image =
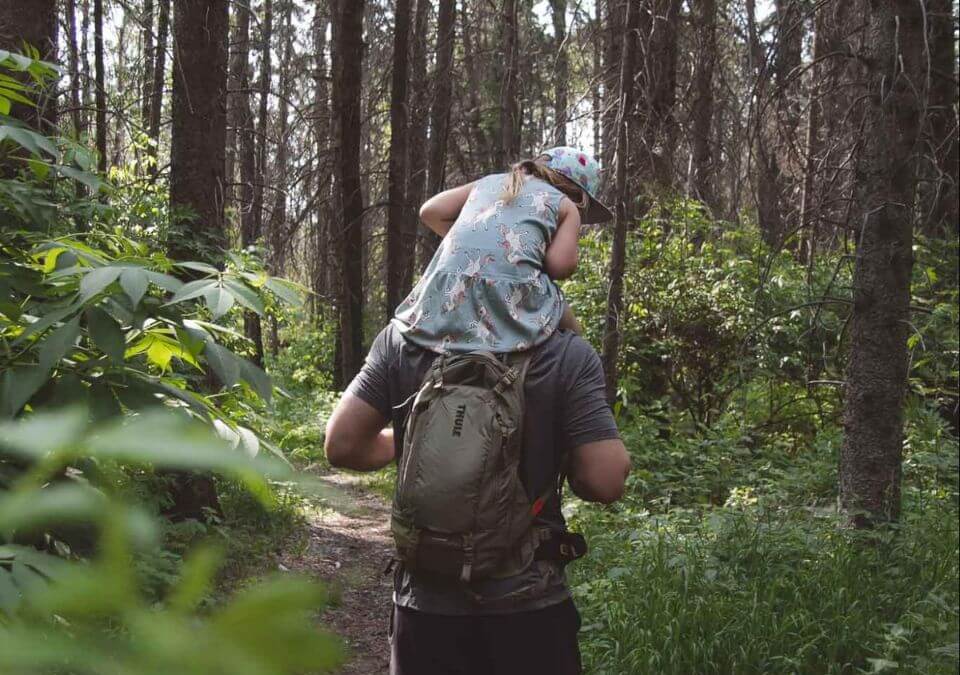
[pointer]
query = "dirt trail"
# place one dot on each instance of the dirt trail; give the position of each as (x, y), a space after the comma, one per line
(348, 548)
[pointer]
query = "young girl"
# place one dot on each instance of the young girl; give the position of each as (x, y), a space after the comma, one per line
(506, 238)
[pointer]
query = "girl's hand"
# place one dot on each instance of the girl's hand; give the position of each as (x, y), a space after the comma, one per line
(563, 253)
(440, 212)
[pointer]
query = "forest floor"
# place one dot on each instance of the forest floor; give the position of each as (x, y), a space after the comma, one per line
(348, 547)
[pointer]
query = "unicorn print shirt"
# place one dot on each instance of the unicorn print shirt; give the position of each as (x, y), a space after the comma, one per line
(486, 288)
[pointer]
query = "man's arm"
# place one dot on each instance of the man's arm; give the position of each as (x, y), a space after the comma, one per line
(356, 438)
(598, 470)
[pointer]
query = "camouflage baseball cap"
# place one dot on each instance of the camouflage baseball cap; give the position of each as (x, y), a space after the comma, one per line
(583, 170)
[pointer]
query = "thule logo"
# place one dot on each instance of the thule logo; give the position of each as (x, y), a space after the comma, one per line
(458, 420)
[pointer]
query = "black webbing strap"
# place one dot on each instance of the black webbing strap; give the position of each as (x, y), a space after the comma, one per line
(563, 547)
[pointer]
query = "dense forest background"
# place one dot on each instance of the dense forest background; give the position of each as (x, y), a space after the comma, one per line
(209, 209)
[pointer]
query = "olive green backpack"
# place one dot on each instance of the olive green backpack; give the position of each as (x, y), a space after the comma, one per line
(459, 508)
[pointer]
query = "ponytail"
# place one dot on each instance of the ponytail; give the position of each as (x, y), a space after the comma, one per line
(515, 181)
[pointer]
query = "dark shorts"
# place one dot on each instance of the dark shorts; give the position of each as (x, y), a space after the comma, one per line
(541, 642)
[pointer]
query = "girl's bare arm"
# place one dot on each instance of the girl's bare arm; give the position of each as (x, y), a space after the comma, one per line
(563, 252)
(441, 210)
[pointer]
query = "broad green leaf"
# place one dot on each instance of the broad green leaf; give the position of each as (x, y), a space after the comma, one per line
(106, 333)
(286, 290)
(199, 267)
(34, 143)
(165, 281)
(218, 300)
(258, 380)
(57, 503)
(224, 362)
(56, 345)
(19, 386)
(43, 432)
(90, 180)
(47, 319)
(245, 296)
(103, 404)
(133, 281)
(193, 289)
(96, 280)
(9, 593)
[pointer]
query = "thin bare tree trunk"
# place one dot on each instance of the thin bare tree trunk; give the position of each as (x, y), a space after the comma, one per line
(943, 218)
(613, 30)
(146, 30)
(400, 235)
(562, 73)
(888, 72)
(263, 117)
(33, 22)
(510, 121)
(348, 78)
(100, 86)
(701, 159)
(419, 119)
(73, 56)
(808, 222)
(159, 77)
(611, 329)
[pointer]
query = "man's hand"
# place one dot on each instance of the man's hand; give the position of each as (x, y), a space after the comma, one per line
(356, 438)
(598, 470)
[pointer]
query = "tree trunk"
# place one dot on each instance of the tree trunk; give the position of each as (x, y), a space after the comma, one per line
(349, 76)
(33, 22)
(419, 119)
(942, 218)
(100, 86)
(510, 122)
(889, 70)
(562, 73)
(276, 231)
(613, 36)
(400, 235)
(85, 61)
(248, 160)
(701, 155)
(199, 131)
(73, 56)
(263, 118)
(159, 77)
(198, 145)
(808, 221)
(321, 239)
(146, 31)
(611, 329)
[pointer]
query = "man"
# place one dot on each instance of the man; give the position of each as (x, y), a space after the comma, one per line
(525, 624)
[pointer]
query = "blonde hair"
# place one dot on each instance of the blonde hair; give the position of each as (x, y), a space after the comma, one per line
(530, 167)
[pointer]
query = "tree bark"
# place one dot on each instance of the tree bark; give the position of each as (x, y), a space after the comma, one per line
(419, 120)
(73, 56)
(199, 131)
(350, 49)
(888, 71)
(33, 22)
(159, 77)
(85, 62)
(613, 33)
(701, 150)
(562, 72)
(611, 329)
(808, 222)
(401, 236)
(146, 31)
(198, 145)
(942, 217)
(263, 120)
(510, 122)
(320, 273)
(100, 91)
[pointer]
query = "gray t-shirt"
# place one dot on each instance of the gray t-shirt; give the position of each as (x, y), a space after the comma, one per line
(566, 407)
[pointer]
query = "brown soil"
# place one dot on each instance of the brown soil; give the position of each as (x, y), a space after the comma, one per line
(349, 546)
